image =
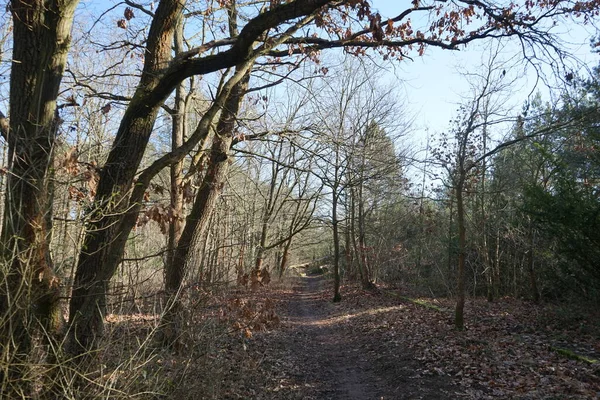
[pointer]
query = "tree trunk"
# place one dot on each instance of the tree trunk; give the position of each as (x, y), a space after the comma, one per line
(267, 214)
(113, 218)
(348, 250)
(460, 216)
(535, 293)
(367, 276)
(351, 240)
(176, 169)
(197, 221)
(337, 297)
(284, 257)
(29, 297)
(450, 237)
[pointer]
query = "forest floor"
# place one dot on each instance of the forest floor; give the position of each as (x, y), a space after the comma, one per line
(292, 342)
(335, 351)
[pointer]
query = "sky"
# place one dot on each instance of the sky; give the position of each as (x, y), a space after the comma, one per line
(434, 85)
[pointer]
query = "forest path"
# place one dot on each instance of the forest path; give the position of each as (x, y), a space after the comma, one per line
(323, 352)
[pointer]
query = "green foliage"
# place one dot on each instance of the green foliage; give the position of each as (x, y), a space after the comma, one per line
(565, 204)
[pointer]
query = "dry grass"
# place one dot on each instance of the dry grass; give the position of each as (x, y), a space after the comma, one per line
(211, 363)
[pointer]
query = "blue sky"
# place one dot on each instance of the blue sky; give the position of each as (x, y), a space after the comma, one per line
(433, 85)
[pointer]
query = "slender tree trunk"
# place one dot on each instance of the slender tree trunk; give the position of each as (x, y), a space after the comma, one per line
(197, 221)
(460, 216)
(176, 169)
(487, 261)
(337, 297)
(277, 182)
(351, 237)
(264, 228)
(336, 190)
(497, 260)
(491, 289)
(348, 248)
(535, 294)
(367, 277)
(284, 257)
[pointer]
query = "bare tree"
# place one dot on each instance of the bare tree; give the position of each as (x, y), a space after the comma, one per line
(349, 109)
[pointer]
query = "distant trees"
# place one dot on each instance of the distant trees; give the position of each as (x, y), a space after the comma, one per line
(352, 113)
(290, 197)
(526, 164)
(465, 159)
(563, 204)
(544, 206)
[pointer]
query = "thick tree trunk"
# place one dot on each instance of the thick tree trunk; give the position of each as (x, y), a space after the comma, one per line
(107, 231)
(29, 293)
(114, 214)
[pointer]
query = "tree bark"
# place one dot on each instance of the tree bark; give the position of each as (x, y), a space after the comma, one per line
(29, 298)
(176, 169)
(197, 221)
(337, 297)
(459, 322)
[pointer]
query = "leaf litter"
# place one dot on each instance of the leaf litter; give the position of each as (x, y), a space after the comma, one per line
(292, 342)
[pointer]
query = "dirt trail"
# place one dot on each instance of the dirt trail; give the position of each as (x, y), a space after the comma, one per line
(322, 354)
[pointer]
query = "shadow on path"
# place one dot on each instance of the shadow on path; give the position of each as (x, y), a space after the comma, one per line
(328, 357)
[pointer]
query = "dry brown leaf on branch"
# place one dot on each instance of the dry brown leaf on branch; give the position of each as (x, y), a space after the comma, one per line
(128, 14)
(70, 161)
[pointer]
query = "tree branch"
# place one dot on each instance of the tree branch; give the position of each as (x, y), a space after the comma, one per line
(4, 126)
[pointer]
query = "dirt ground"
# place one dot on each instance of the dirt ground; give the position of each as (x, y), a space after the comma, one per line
(289, 341)
(321, 352)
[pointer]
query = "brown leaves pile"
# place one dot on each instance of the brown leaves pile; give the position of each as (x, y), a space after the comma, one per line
(508, 351)
(247, 316)
(256, 277)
